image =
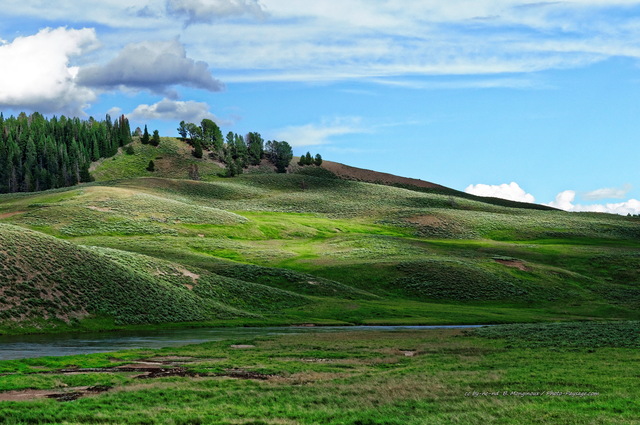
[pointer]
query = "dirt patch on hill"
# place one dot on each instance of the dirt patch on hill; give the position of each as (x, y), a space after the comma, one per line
(426, 220)
(101, 209)
(361, 174)
(68, 394)
(517, 264)
(187, 273)
(11, 214)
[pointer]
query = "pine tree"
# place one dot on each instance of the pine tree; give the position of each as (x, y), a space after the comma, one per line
(182, 130)
(145, 136)
(155, 140)
(151, 167)
(280, 154)
(197, 148)
(255, 148)
(318, 160)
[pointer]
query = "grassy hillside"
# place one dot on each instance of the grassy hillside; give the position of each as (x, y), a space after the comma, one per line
(301, 247)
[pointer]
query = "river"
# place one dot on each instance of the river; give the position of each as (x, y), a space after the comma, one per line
(30, 346)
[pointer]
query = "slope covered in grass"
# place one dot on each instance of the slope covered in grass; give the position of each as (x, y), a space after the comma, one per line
(47, 283)
(308, 246)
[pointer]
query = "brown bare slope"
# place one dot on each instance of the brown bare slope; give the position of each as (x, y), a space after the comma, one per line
(360, 174)
(348, 172)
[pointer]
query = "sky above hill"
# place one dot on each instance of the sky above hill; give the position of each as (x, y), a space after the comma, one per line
(536, 101)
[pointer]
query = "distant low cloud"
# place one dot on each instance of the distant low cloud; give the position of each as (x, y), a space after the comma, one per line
(511, 191)
(154, 66)
(564, 201)
(35, 72)
(172, 110)
(207, 11)
(607, 193)
(320, 134)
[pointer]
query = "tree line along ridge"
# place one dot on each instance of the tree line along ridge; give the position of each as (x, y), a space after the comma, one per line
(238, 152)
(39, 153)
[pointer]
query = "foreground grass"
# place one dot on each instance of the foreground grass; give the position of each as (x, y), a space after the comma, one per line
(401, 377)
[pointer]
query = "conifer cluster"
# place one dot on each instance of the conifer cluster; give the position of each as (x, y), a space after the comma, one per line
(37, 153)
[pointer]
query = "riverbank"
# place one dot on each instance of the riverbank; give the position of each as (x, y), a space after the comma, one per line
(509, 375)
(32, 346)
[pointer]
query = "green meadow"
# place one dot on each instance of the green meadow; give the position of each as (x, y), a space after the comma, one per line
(568, 373)
(136, 249)
(301, 247)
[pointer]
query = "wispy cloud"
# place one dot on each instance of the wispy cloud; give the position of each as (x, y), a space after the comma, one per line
(607, 193)
(421, 45)
(322, 133)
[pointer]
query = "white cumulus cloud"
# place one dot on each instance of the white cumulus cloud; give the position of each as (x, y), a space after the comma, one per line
(511, 191)
(172, 110)
(154, 66)
(564, 201)
(36, 73)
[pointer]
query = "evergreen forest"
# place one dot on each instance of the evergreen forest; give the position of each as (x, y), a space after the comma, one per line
(37, 153)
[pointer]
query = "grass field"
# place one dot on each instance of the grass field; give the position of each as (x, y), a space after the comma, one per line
(517, 374)
(298, 247)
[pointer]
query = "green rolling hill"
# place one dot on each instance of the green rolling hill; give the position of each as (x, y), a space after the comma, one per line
(324, 245)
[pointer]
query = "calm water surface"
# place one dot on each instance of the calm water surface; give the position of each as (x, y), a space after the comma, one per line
(29, 346)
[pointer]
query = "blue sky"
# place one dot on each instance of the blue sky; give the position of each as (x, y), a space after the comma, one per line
(534, 101)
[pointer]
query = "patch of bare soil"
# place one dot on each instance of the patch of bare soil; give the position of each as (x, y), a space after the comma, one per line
(187, 273)
(101, 209)
(171, 359)
(148, 370)
(426, 220)
(142, 365)
(361, 174)
(24, 395)
(518, 264)
(245, 374)
(69, 394)
(11, 214)
(164, 373)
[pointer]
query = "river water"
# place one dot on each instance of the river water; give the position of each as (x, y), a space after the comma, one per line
(29, 346)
